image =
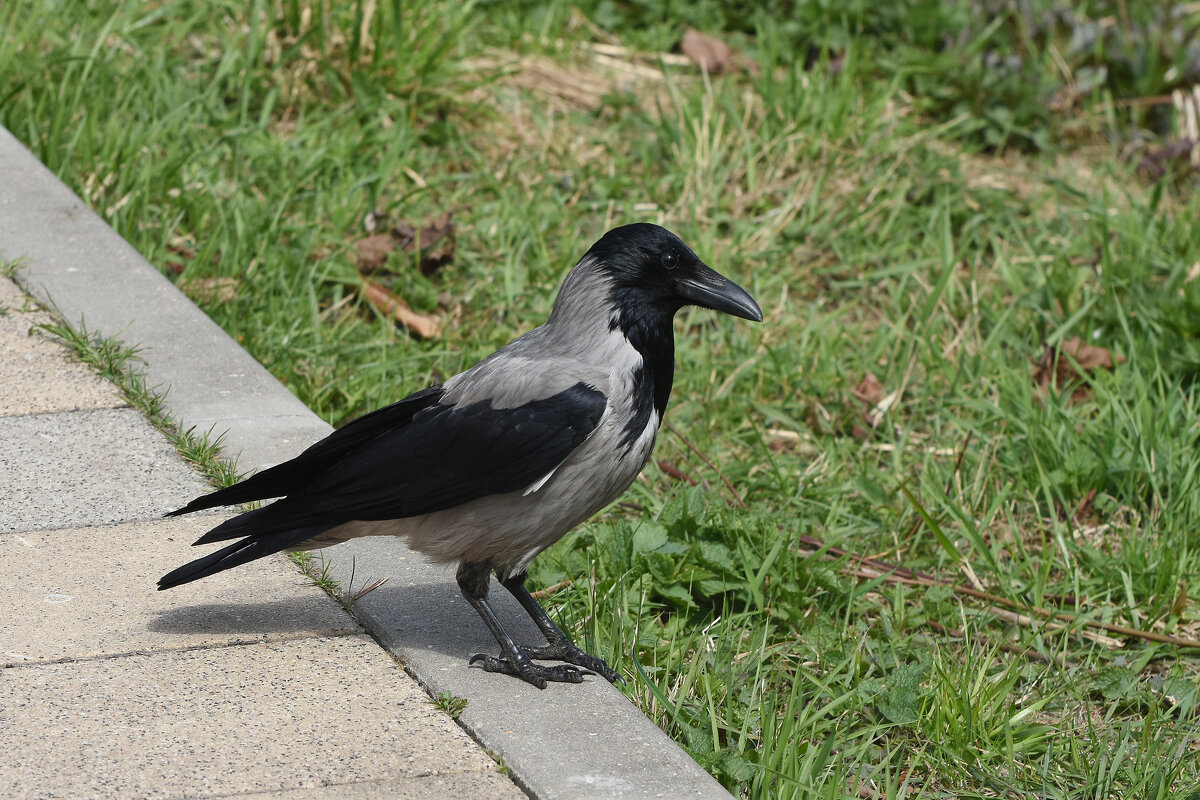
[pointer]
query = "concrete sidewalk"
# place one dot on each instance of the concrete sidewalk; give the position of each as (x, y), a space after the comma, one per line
(256, 685)
(250, 682)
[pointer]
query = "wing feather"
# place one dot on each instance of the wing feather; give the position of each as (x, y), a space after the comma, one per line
(294, 475)
(441, 457)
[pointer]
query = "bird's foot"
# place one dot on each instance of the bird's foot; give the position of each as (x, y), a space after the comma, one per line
(530, 672)
(565, 650)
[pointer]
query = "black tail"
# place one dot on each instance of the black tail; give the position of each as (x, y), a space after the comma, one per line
(238, 553)
(226, 557)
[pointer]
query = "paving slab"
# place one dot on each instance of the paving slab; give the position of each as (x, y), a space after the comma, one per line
(88, 468)
(37, 374)
(233, 720)
(602, 746)
(95, 589)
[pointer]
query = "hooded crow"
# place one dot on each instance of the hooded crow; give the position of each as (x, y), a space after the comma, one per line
(493, 466)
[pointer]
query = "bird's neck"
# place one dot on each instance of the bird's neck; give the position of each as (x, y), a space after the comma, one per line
(644, 323)
(650, 332)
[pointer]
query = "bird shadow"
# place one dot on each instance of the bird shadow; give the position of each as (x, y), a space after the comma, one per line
(428, 616)
(281, 616)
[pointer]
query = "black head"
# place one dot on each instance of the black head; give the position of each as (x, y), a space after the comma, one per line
(654, 272)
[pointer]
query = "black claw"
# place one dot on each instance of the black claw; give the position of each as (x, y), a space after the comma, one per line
(568, 652)
(535, 674)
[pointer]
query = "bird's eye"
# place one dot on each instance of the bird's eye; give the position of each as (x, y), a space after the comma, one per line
(670, 260)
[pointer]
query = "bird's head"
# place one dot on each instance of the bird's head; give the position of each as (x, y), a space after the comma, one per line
(650, 272)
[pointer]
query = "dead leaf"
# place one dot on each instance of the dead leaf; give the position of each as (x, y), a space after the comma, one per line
(210, 290)
(869, 390)
(185, 254)
(713, 55)
(1174, 158)
(373, 250)
(1070, 365)
(426, 326)
(708, 53)
(425, 238)
(1085, 509)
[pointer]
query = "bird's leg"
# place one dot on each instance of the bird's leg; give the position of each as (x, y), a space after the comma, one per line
(473, 581)
(559, 647)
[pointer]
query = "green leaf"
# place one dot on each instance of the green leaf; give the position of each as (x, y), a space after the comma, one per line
(698, 740)
(676, 594)
(661, 565)
(710, 587)
(870, 689)
(1116, 683)
(737, 767)
(649, 536)
(715, 555)
(935, 597)
(903, 694)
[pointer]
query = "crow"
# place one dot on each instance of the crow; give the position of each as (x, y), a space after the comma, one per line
(493, 466)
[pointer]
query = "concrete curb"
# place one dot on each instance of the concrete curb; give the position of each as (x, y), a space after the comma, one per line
(564, 743)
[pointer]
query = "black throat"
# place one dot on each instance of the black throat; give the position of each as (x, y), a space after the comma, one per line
(648, 328)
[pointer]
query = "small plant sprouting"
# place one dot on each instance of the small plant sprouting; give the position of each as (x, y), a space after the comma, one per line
(319, 574)
(451, 704)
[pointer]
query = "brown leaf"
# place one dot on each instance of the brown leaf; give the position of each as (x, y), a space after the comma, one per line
(1070, 365)
(373, 250)
(780, 440)
(1085, 508)
(431, 260)
(713, 55)
(1174, 158)
(709, 53)
(424, 325)
(184, 252)
(1088, 357)
(869, 390)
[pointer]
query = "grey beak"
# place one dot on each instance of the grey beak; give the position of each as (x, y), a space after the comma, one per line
(710, 289)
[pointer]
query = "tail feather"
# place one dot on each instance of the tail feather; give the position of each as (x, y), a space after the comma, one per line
(231, 556)
(235, 527)
(238, 553)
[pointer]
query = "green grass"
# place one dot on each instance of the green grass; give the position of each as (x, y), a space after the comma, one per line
(899, 201)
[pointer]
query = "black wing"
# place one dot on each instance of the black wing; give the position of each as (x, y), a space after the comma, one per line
(292, 476)
(439, 458)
